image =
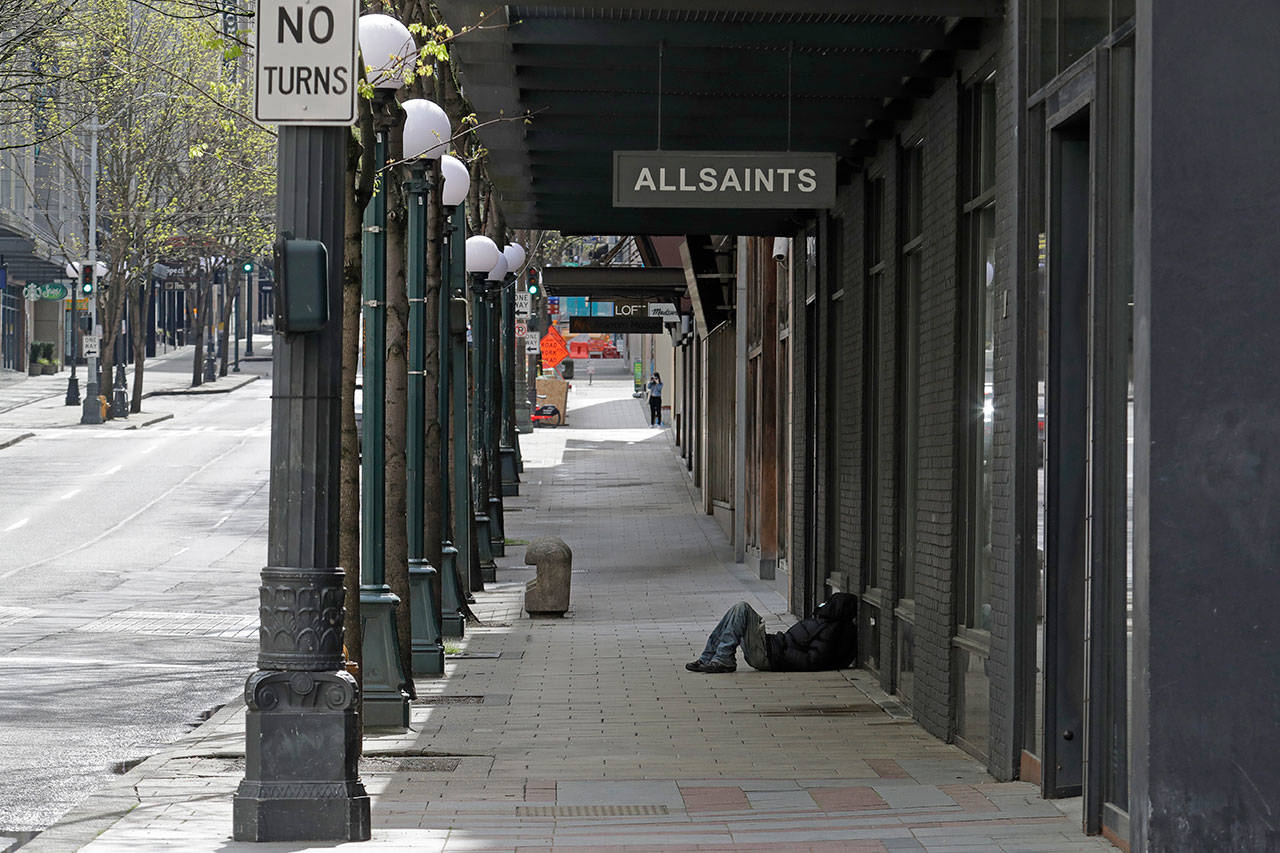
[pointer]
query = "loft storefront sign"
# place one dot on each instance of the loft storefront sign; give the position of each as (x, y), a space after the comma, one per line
(306, 62)
(729, 179)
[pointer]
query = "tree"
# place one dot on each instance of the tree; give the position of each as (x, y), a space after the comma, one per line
(183, 173)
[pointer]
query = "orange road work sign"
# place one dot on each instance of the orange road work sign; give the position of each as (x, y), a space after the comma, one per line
(554, 349)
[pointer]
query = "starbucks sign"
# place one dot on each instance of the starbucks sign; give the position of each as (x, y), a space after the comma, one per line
(51, 291)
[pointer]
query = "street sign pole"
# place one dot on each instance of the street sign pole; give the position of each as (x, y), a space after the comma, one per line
(302, 732)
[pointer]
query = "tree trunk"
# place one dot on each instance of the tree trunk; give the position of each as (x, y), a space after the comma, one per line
(349, 472)
(139, 347)
(224, 320)
(432, 475)
(397, 545)
(107, 355)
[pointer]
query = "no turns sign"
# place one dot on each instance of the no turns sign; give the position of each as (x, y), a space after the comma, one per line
(306, 61)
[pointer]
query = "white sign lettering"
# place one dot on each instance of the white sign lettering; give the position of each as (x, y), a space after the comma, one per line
(532, 343)
(760, 179)
(523, 302)
(89, 345)
(306, 58)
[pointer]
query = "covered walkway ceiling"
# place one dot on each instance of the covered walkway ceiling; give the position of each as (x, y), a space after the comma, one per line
(18, 255)
(825, 75)
(609, 282)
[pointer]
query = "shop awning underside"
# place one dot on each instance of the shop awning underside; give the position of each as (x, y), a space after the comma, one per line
(822, 76)
(610, 282)
(20, 257)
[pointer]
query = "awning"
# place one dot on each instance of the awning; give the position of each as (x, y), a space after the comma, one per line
(599, 77)
(659, 284)
(18, 254)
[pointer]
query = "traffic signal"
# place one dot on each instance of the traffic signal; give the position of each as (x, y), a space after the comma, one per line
(247, 266)
(533, 287)
(86, 279)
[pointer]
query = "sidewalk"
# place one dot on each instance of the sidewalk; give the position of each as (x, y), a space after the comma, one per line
(39, 402)
(587, 732)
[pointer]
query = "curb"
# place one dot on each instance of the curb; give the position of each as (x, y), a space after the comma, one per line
(117, 798)
(12, 441)
(183, 392)
(152, 421)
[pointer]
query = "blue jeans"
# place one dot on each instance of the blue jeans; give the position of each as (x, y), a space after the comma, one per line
(740, 625)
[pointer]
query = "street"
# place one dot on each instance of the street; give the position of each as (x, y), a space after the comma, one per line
(130, 563)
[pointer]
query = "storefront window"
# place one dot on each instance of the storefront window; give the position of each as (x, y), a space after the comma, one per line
(1062, 31)
(978, 221)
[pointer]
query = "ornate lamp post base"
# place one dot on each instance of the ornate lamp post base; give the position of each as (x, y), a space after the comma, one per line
(524, 421)
(385, 704)
(73, 391)
(510, 472)
(484, 546)
(120, 395)
(452, 621)
(320, 796)
(210, 365)
(302, 741)
(497, 535)
(424, 595)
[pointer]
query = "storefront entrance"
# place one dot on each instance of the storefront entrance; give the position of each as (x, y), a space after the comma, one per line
(1077, 730)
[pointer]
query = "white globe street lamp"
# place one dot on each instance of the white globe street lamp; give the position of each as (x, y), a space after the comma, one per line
(426, 130)
(499, 270)
(388, 51)
(482, 254)
(457, 180)
(514, 253)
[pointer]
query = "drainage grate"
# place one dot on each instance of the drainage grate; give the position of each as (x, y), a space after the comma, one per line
(421, 764)
(375, 764)
(175, 624)
(589, 811)
(448, 700)
(474, 656)
(817, 710)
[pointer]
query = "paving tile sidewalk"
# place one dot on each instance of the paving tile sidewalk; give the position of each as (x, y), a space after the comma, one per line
(587, 733)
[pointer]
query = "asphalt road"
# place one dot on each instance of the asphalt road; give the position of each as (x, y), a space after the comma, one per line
(129, 568)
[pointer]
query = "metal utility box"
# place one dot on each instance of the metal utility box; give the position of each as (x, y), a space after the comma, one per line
(302, 285)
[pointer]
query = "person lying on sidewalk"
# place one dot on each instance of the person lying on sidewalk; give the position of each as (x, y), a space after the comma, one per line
(824, 641)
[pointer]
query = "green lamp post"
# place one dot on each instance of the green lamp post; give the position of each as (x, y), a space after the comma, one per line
(509, 447)
(483, 261)
(426, 130)
(455, 539)
(384, 42)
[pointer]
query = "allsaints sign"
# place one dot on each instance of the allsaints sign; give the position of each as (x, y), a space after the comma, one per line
(766, 179)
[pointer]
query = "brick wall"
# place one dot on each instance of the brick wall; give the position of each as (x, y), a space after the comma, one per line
(938, 498)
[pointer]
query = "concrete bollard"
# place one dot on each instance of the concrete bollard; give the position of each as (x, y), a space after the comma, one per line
(548, 593)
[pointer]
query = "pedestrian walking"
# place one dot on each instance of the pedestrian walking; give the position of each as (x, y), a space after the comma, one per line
(591, 373)
(655, 400)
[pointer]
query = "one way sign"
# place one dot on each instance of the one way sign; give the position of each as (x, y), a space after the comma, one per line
(306, 61)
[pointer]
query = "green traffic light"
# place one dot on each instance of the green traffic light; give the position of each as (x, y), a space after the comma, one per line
(86, 288)
(247, 266)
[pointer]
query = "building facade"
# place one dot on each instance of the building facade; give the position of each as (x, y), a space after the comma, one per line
(1012, 389)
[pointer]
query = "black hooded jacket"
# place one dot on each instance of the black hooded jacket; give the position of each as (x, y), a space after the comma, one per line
(824, 641)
